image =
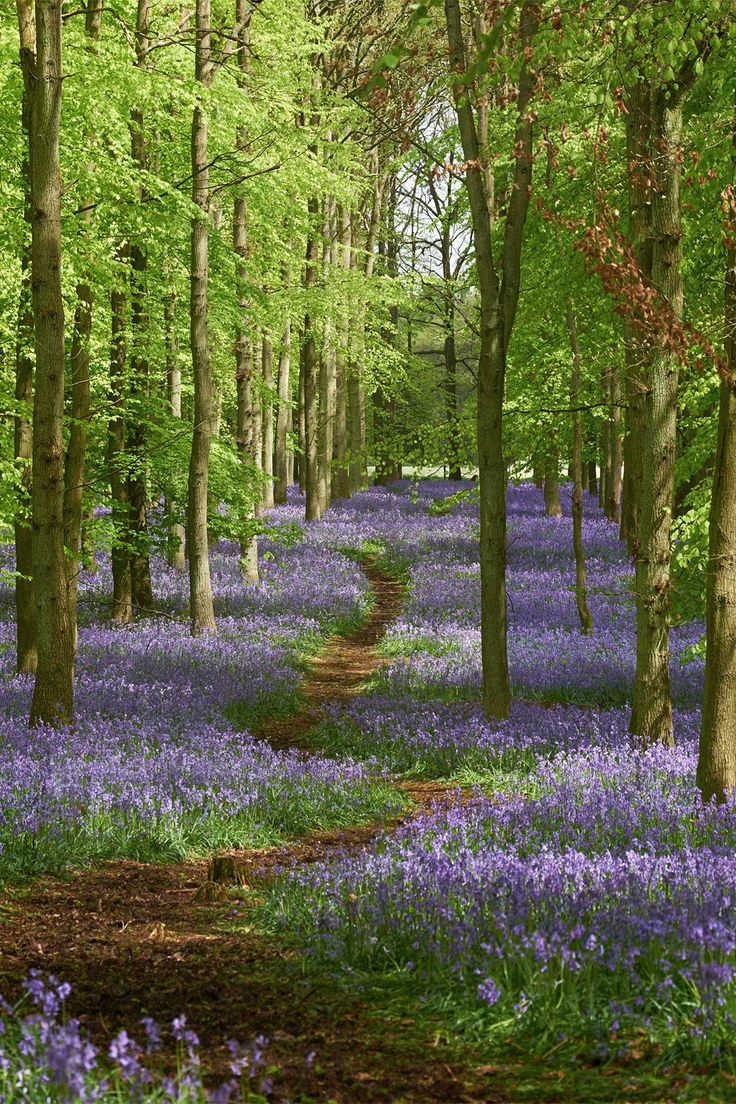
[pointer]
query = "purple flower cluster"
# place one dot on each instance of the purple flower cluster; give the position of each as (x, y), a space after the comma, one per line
(155, 767)
(592, 891)
(44, 1056)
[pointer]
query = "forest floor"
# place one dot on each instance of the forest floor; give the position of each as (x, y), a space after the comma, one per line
(134, 941)
(137, 939)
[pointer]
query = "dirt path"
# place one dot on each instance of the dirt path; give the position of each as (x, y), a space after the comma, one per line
(133, 941)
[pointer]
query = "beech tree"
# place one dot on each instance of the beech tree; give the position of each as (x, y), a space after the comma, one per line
(41, 52)
(499, 281)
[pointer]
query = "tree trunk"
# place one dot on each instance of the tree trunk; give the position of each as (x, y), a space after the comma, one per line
(613, 499)
(25, 591)
(538, 470)
(53, 693)
(327, 363)
(592, 477)
(498, 303)
(358, 471)
(552, 504)
(175, 553)
(638, 149)
(140, 566)
(340, 481)
(267, 414)
(716, 774)
(651, 714)
(311, 412)
(122, 582)
(200, 587)
(79, 406)
(302, 465)
(246, 424)
(581, 583)
(283, 417)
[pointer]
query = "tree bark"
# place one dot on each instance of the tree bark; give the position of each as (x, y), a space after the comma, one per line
(246, 409)
(552, 504)
(200, 588)
(283, 417)
(122, 580)
(25, 591)
(140, 566)
(53, 693)
(581, 582)
(340, 480)
(498, 303)
(613, 497)
(651, 714)
(311, 409)
(267, 415)
(592, 477)
(638, 149)
(716, 775)
(176, 556)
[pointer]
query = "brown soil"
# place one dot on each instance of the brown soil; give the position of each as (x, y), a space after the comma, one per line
(132, 941)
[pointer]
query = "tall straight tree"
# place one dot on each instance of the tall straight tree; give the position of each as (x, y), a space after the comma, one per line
(309, 368)
(267, 437)
(283, 417)
(340, 482)
(25, 593)
(122, 582)
(81, 392)
(581, 584)
(499, 295)
(53, 692)
(201, 607)
(140, 566)
(716, 773)
(651, 712)
(246, 436)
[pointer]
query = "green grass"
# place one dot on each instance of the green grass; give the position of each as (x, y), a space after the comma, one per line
(288, 811)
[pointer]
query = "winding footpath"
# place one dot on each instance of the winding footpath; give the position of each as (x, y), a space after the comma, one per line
(138, 939)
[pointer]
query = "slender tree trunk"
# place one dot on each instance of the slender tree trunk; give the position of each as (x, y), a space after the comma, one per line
(247, 414)
(283, 417)
(176, 554)
(538, 470)
(122, 580)
(53, 693)
(311, 409)
(25, 591)
(498, 302)
(552, 504)
(326, 382)
(340, 480)
(651, 715)
(358, 472)
(592, 477)
(139, 367)
(200, 587)
(302, 428)
(613, 502)
(638, 148)
(267, 413)
(246, 425)
(581, 582)
(79, 406)
(717, 755)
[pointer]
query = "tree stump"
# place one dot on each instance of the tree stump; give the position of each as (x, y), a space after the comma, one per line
(223, 872)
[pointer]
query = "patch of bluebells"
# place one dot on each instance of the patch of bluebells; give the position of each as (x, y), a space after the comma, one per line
(155, 767)
(607, 887)
(45, 1056)
(597, 900)
(442, 612)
